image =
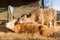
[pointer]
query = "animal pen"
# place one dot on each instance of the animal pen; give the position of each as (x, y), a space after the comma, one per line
(28, 20)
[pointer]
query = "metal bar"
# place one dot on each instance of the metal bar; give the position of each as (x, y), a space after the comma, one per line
(42, 2)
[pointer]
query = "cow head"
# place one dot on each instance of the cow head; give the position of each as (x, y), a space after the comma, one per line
(10, 24)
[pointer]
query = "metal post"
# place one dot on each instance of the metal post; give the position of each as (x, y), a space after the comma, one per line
(10, 12)
(42, 4)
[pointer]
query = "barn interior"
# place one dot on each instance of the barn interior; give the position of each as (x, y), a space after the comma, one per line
(20, 7)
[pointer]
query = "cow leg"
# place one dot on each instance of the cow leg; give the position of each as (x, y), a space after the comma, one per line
(54, 23)
(50, 24)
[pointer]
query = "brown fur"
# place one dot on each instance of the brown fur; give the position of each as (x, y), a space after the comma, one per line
(18, 27)
(43, 16)
(46, 15)
(46, 31)
(26, 28)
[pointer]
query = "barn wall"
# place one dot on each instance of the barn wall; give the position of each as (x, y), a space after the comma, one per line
(3, 3)
(21, 2)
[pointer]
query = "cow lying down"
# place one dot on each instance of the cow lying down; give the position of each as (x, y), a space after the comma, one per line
(16, 24)
(29, 28)
(34, 28)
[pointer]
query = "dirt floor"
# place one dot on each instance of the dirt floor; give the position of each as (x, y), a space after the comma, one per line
(6, 34)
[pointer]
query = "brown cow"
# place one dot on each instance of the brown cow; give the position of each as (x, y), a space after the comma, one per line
(46, 16)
